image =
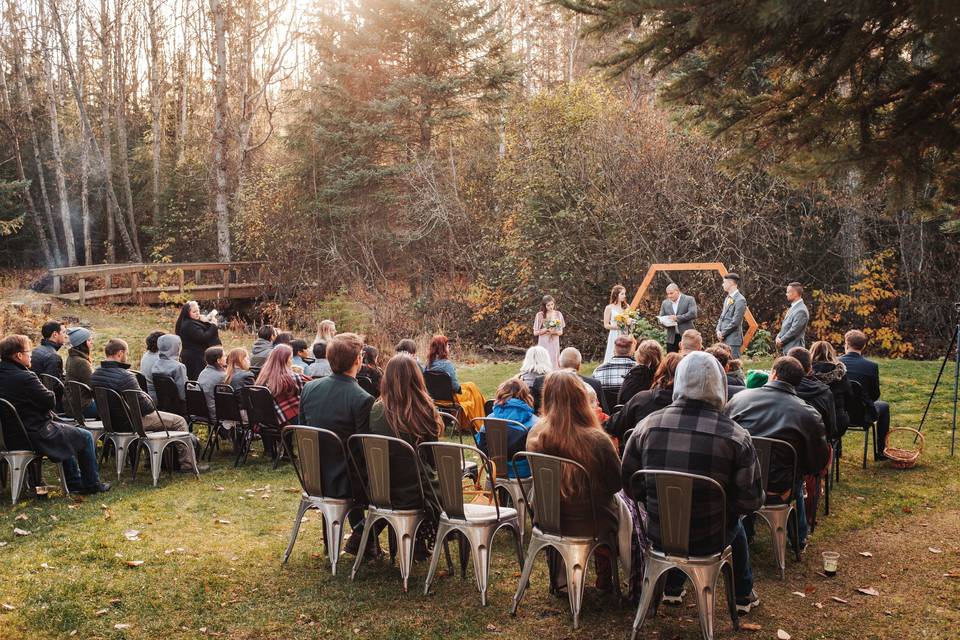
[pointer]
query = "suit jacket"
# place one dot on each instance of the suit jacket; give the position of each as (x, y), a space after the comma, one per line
(730, 324)
(794, 327)
(33, 402)
(864, 371)
(339, 404)
(686, 314)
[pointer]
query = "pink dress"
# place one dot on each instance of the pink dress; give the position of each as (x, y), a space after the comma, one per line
(549, 341)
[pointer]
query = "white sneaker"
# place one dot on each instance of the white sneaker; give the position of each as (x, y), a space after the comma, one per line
(752, 601)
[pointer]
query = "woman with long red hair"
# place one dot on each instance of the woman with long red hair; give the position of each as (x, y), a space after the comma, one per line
(278, 376)
(467, 394)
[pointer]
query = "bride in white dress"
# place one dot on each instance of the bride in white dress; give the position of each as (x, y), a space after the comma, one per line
(618, 302)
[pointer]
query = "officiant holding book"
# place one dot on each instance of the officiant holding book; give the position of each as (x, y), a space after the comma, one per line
(680, 310)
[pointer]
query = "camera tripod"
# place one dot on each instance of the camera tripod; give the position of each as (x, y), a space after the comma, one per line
(954, 342)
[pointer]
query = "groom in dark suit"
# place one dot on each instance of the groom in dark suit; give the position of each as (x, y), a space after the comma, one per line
(680, 308)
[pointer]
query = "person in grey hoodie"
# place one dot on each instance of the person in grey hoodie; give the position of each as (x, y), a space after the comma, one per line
(149, 358)
(213, 374)
(262, 346)
(168, 364)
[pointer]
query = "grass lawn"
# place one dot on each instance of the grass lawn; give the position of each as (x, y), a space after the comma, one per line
(211, 553)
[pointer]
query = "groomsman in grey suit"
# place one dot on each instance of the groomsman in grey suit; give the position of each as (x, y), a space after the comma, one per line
(680, 308)
(795, 322)
(730, 324)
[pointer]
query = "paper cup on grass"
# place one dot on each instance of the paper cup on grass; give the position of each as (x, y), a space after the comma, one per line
(830, 559)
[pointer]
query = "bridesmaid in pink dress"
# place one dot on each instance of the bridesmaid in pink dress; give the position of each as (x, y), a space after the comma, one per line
(548, 327)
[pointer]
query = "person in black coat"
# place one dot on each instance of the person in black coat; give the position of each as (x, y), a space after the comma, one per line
(197, 333)
(72, 446)
(571, 359)
(45, 358)
(867, 374)
(828, 369)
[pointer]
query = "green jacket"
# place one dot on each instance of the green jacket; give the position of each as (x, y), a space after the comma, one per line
(79, 369)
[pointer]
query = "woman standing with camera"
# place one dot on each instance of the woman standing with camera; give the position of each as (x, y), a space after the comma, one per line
(197, 332)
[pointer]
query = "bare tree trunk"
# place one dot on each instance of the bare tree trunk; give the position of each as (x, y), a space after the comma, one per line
(120, 94)
(156, 100)
(182, 123)
(55, 147)
(106, 73)
(220, 204)
(84, 152)
(851, 230)
(48, 254)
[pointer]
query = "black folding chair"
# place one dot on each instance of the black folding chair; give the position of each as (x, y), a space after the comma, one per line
(198, 412)
(773, 453)
(261, 413)
(861, 419)
(141, 379)
(367, 385)
(227, 403)
(55, 384)
(168, 395)
(440, 388)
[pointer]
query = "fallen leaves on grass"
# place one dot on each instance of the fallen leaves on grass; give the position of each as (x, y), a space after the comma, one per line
(219, 488)
(818, 605)
(782, 635)
(800, 593)
(8, 607)
(868, 591)
(132, 535)
(840, 600)
(134, 563)
(222, 521)
(955, 573)
(866, 554)
(20, 532)
(22, 516)
(101, 612)
(120, 626)
(934, 550)
(750, 626)
(3, 543)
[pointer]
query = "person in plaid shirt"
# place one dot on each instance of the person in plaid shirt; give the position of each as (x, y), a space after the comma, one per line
(692, 435)
(611, 373)
(285, 385)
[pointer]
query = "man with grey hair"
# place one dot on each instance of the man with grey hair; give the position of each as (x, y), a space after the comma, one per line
(571, 360)
(693, 435)
(680, 308)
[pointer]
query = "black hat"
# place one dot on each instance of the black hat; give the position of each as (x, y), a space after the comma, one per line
(732, 276)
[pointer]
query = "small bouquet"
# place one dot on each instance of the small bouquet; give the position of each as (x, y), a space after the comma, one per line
(552, 325)
(626, 320)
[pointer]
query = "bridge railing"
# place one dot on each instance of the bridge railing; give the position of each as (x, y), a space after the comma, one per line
(151, 283)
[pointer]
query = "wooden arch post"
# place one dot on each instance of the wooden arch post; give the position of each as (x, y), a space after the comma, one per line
(752, 325)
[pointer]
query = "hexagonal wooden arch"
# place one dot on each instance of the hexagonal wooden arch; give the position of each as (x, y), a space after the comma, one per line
(752, 325)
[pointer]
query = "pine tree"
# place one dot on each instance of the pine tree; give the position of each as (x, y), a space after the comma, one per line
(824, 88)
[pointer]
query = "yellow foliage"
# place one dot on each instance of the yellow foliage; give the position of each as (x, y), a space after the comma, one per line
(871, 306)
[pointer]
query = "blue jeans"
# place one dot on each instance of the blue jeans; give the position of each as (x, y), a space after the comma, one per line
(90, 413)
(742, 573)
(81, 470)
(801, 512)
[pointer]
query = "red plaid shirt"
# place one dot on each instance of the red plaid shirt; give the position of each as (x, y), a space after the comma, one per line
(288, 406)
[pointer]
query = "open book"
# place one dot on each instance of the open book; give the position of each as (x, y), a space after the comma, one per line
(666, 321)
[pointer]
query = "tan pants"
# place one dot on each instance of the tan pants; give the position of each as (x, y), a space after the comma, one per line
(163, 421)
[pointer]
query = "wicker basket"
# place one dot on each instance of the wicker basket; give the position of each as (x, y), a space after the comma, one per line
(903, 458)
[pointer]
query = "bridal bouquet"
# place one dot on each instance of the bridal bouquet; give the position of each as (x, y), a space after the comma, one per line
(552, 325)
(626, 320)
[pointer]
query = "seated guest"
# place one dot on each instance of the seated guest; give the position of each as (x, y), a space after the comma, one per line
(594, 402)
(815, 393)
(284, 383)
(406, 411)
(80, 366)
(213, 373)
(828, 369)
(168, 364)
(571, 360)
(692, 435)
(337, 403)
(320, 367)
(371, 368)
(569, 428)
(867, 374)
(238, 374)
(690, 341)
(45, 357)
(71, 445)
(408, 347)
(284, 337)
(648, 356)
(326, 329)
(775, 411)
(300, 352)
(262, 346)
(722, 353)
(658, 396)
(150, 358)
(612, 372)
(536, 363)
(468, 394)
(513, 402)
(114, 373)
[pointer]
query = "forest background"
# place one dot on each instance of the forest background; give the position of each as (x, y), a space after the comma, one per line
(412, 166)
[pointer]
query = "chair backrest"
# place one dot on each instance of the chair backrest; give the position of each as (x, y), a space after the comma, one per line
(197, 402)
(305, 445)
(769, 448)
(168, 396)
(73, 395)
(674, 506)
(626, 438)
(10, 419)
(546, 472)
(255, 371)
(496, 435)
(488, 407)
(857, 410)
(376, 453)
(109, 401)
(366, 383)
(141, 379)
(439, 386)
(226, 403)
(131, 404)
(611, 395)
(260, 406)
(54, 384)
(448, 460)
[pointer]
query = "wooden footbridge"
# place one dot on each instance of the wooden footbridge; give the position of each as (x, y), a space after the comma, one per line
(139, 283)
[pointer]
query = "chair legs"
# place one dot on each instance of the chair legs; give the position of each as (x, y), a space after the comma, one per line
(156, 448)
(519, 502)
(121, 445)
(405, 525)
(777, 518)
(302, 509)
(333, 515)
(18, 462)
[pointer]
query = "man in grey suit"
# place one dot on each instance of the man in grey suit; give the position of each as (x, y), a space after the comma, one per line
(730, 325)
(795, 322)
(680, 308)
